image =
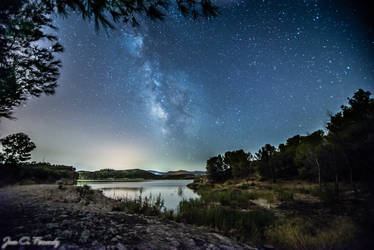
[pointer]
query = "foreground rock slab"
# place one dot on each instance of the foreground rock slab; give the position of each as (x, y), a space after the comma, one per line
(51, 213)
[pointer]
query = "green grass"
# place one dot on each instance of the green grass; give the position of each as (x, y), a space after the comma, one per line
(248, 225)
(153, 206)
(230, 198)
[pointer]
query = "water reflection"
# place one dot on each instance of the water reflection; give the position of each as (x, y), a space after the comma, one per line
(171, 191)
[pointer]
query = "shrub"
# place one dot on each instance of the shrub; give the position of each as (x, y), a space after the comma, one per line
(144, 205)
(85, 192)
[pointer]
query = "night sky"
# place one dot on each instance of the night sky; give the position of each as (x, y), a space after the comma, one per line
(169, 95)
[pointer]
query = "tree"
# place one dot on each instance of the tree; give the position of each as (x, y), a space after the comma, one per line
(17, 148)
(30, 69)
(264, 157)
(26, 68)
(2, 158)
(239, 162)
(351, 131)
(307, 154)
(216, 170)
(283, 161)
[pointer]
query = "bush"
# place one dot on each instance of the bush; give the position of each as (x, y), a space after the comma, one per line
(85, 192)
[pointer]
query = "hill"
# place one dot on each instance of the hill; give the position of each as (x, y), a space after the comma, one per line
(156, 172)
(103, 174)
(182, 174)
(108, 174)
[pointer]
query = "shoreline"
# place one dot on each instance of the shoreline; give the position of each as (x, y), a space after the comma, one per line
(133, 180)
(89, 222)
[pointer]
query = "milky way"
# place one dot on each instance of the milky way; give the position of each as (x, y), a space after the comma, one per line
(168, 95)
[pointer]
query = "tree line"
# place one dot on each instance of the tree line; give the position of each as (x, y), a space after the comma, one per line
(344, 152)
(104, 174)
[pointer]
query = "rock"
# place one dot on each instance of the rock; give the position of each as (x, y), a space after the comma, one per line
(173, 242)
(222, 238)
(47, 237)
(52, 225)
(120, 246)
(84, 236)
(66, 234)
(63, 216)
(211, 246)
(112, 230)
(267, 246)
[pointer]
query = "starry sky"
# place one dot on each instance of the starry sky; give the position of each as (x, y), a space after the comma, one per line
(168, 95)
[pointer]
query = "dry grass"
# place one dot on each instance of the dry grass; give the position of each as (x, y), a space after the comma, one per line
(299, 233)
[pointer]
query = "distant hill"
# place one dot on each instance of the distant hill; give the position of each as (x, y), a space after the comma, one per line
(178, 174)
(103, 174)
(107, 174)
(199, 173)
(184, 172)
(156, 172)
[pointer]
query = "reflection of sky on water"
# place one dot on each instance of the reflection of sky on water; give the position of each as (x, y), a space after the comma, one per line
(172, 191)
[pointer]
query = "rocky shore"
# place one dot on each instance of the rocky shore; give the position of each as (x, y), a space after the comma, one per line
(90, 223)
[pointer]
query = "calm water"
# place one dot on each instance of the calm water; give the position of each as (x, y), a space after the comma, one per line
(172, 191)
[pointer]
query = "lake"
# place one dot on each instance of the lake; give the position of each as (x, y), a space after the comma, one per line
(171, 191)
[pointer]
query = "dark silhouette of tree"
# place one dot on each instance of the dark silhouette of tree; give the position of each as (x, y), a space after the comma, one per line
(2, 157)
(284, 159)
(264, 157)
(344, 154)
(17, 148)
(26, 68)
(239, 162)
(216, 170)
(107, 13)
(29, 69)
(351, 131)
(307, 155)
